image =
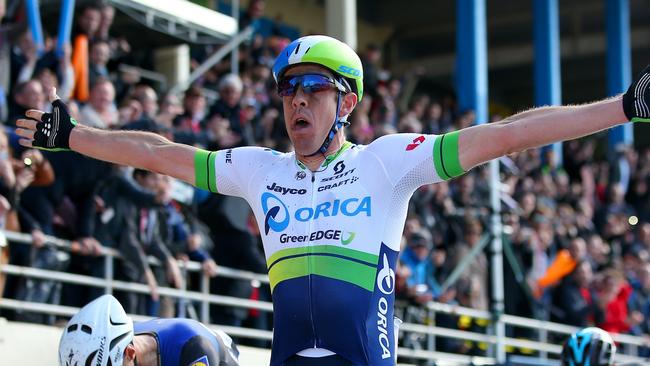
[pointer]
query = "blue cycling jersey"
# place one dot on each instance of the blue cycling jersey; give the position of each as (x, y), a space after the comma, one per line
(331, 237)
(186, 342)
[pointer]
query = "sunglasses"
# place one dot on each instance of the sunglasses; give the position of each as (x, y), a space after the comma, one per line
(309, 83)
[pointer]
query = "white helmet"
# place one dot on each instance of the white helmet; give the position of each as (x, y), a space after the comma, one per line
(97, 335)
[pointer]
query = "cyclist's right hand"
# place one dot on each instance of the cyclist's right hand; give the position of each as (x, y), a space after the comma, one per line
(47, 131)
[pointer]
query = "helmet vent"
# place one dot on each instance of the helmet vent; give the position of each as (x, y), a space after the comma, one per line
(91, 357)
(72, 328)
(297, 48)
(86, 329)
(117, 340)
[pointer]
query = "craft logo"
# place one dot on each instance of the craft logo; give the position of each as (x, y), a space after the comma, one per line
(338, 184)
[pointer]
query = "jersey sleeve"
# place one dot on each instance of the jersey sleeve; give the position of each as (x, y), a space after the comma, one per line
(227, 171)
(199, 351)
(412, 160)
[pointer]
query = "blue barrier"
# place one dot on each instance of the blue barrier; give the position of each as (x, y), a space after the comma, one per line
(34, 20)
(65, 25)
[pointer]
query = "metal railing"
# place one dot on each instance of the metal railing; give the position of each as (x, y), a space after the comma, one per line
(204, 299)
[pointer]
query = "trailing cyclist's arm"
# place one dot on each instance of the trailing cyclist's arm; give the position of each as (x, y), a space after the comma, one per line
(537, 127)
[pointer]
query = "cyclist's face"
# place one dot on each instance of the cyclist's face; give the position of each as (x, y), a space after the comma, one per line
(309, 114)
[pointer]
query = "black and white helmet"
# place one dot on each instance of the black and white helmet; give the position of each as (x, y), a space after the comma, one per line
(97, 335)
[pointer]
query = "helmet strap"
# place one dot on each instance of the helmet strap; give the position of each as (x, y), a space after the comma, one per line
(336, 125)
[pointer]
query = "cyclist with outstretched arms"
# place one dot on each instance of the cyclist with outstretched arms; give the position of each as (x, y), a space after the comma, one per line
(331, 213)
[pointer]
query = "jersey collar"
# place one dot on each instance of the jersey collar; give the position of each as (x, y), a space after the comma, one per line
(331, 157)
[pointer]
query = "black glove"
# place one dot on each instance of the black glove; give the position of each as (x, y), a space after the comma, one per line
(636, 101)
(53, 132)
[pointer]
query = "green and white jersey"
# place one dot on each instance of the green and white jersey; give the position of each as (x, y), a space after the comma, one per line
(331, 237)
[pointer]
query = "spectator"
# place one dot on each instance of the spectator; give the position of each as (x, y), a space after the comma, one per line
(575, 301)
(100, 112)
(27, 95)
(477, 270)
(187, 126)
(229, 107)
(614, 292)
(135, 229)
(416, 258)
(98, 57)
(86, 27)
(371, 59)
(639, 303)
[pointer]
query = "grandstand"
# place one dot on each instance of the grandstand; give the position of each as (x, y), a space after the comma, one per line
(498, 266)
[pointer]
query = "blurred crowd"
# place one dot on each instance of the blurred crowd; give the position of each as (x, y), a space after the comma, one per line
(576, 235)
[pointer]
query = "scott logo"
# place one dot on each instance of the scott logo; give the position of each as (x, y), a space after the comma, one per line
(386, 278)
(337, 176)
(416, 142)
(339, 167)
(349, 70)
(270, 213)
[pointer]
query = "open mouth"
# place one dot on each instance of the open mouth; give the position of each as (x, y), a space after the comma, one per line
(300, 124)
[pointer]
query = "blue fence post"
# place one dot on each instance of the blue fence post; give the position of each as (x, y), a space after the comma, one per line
(619, 64)
(471, 60)
(548, 84)
(34, 21)
(65, 25)
(472, 89)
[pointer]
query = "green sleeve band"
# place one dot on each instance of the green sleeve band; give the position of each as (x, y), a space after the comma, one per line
(445, 156)
(639, 119)
(205, 176)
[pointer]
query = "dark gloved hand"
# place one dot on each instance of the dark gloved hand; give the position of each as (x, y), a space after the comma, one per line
(636, 101)
(53, 132)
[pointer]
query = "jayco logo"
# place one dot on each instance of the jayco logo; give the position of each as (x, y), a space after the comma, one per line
(277, 188)
(276, 213)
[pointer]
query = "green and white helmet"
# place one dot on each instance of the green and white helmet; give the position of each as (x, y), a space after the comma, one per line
(325, 51)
